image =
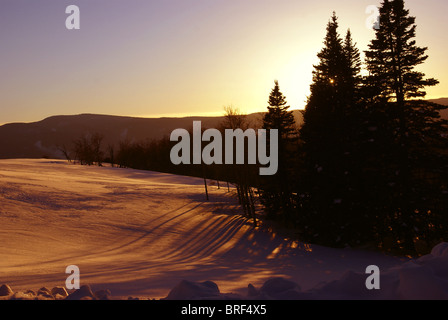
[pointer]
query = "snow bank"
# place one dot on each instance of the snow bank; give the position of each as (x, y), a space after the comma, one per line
(189, 290)
(57, 293)
(425, 278)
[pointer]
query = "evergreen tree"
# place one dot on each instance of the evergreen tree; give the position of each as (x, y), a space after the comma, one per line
(393, 56)
(332, 58)
(353, 78)
(329, 139)
(276, 191)
(415, 169)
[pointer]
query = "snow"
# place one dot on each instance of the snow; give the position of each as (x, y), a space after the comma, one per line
(153, 235)
(425, 278)
(188, 290)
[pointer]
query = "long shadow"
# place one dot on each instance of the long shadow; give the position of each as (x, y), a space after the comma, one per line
(148, 232)
(74, 257)
(208, 240)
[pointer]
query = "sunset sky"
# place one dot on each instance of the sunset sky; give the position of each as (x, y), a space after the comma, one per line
(180, 57)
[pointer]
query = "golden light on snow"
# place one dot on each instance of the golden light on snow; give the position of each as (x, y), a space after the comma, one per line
(138, 233)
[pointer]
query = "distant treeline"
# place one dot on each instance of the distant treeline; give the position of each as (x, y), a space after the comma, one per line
(369, 166)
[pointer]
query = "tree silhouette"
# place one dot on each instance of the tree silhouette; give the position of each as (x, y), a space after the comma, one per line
(87, 149)
(276, 191)
(416, 166)
(353, 78)
(393, 56)
(330, 142)
(242, 175)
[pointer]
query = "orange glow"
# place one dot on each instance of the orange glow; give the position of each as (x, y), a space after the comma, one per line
(307, 247)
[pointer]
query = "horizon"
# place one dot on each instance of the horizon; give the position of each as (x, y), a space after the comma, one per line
(180, 58)
(180, 116)
(161, 116)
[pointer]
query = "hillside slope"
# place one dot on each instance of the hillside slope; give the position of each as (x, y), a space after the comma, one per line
(41, 139)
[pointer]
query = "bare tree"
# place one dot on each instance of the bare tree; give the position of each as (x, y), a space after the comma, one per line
(240, 175)
(234, 118)
(88, 149)
(65, 152)
(111, 154)
(96, 140)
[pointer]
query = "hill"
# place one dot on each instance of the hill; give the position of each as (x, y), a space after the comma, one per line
(444, 102)
(40, 139)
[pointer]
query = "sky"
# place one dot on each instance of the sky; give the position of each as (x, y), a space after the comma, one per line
(153, 58)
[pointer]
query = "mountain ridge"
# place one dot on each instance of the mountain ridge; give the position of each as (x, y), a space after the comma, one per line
(42, 138)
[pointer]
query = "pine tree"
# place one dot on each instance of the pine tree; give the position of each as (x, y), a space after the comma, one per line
(393, 56)
(415, 169)
(276, 191)
(278, 116)
(329, 133)
(353, 78)
(332, 58)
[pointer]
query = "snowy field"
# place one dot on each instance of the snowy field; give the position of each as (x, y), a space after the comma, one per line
(142, 234)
